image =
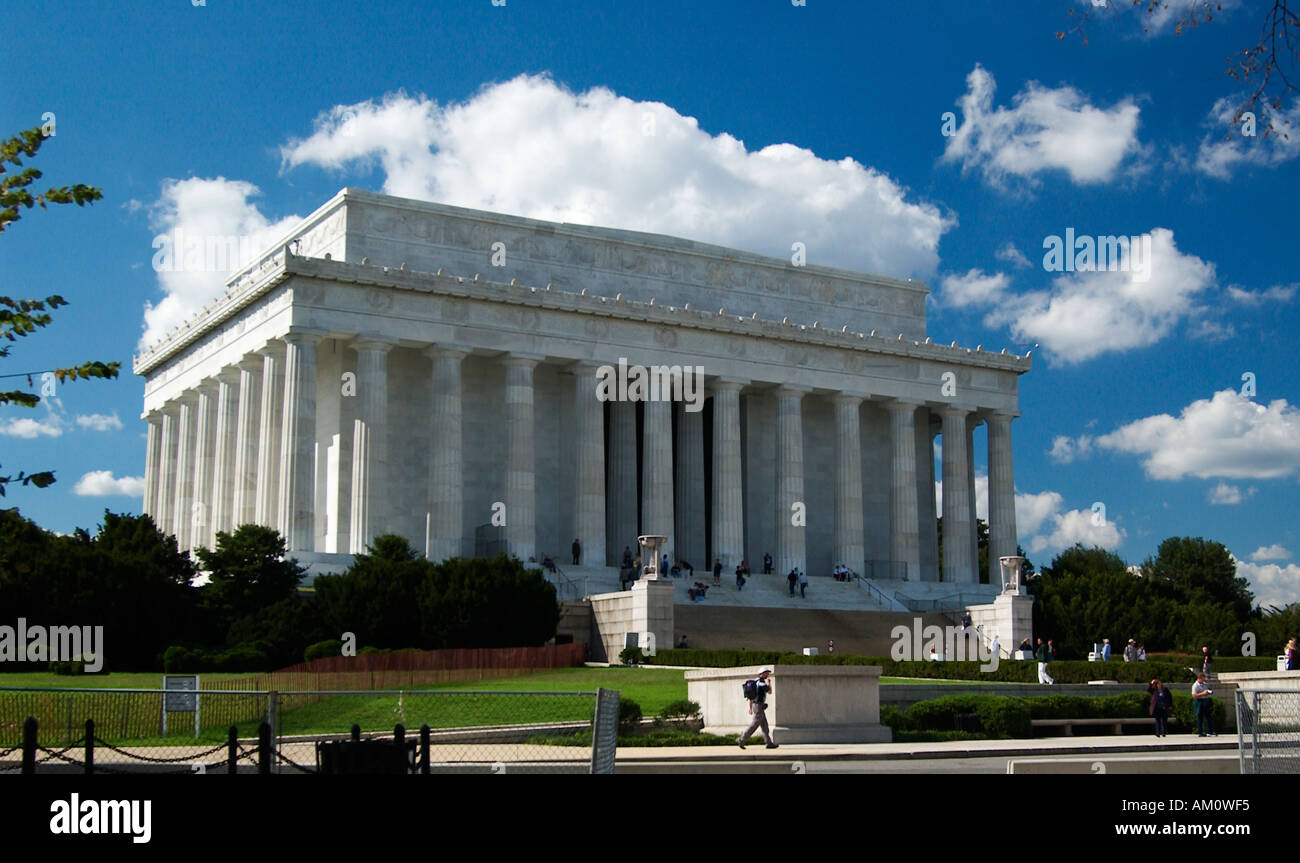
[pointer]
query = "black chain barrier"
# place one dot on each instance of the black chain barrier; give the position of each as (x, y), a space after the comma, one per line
(280, 756)
(190, 758)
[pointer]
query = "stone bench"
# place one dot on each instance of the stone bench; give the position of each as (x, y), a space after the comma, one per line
(1116, 724)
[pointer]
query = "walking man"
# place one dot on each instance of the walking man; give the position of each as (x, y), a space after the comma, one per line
(803, 583)
(1042, 655)
(792, 578)
(577, 551)
(758, 709)
(717, 570)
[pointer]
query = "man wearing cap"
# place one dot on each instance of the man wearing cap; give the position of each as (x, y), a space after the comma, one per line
(758, 708)
(1131, 651)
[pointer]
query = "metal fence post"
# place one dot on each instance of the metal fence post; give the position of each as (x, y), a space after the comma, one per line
(232, 749)
(90, 746)
(356, 733)
(264, 748)
(1254, 734)
(424, 749)
(29, 746)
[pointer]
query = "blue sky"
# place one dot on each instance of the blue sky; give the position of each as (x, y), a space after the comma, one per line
(821, 124)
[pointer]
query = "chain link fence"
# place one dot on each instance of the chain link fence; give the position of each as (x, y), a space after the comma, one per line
(310, 731)
(1268, 730)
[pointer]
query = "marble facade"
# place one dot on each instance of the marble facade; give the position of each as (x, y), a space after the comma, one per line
(407, 367)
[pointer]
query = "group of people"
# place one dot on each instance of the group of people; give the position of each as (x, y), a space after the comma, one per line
(696, 591)
(800, 578)
(842, 573)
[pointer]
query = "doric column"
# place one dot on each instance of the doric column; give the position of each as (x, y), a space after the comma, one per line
(849, 545)
(728, 502)
(205, 417)
(620, 487)
(266, 508)
(972, 420)
(790, 549)
(184, 495)
(370, 444)
(223, 454)
(589, 484)
(521, 476)
(446, 456)
(243, 509)
(149, 506)
(688, 486)
(958, 567)
(926, 505)
(657, 475)
(1002, 494)
(904, 529)
(167, 471)
(298, 441)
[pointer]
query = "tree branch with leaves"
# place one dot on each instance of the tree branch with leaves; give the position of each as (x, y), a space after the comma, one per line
(20, 318)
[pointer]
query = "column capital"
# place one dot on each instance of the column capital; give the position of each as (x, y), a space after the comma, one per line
(229, 376)
(726, 385)
(520, 360)
(273, 348)
(791, 390)
(152, 417)
(843, 398)
(371, 342)
(207, 386)
(450, 352)
(250, 362)
(900, 403)
(303, 335)
(950, 410)
(189, 398)
(1002, 415)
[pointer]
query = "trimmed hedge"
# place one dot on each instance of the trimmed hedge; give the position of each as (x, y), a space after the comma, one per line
(323, 649)
(243, 657)
(1000, 716)
(1008, 670)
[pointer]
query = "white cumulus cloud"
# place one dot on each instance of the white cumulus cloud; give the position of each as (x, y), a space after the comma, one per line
(1272, 584)
(1046, 129)
(219, 230)
(1229, 495)
(1270, 552)
(101, 483)
(1228, 147)
(1227, 436)
(26, 427)
(974, 288)
(531, 147)
(99, 422)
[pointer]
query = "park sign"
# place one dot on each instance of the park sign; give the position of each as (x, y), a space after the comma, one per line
(181, 695)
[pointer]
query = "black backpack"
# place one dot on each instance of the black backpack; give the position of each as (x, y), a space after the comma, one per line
(751, 689)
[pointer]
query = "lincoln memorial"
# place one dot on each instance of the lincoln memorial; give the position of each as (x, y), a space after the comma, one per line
(395, 366)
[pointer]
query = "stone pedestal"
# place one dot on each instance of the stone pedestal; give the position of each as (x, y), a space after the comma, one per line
(808, 704)
(646, 609)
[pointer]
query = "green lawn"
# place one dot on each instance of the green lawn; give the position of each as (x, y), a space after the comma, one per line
(116, 680)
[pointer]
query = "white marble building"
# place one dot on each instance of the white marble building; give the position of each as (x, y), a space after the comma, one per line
(400, 366)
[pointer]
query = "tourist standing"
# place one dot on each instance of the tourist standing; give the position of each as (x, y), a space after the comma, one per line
(1043, 657)
(767, 563)
(792, 578)
(1162, 701)
(758, 709)
(803, 584)
(577, 551)
(1290, 655)
(1105, 650)
(1207, 667)
(1201, 703)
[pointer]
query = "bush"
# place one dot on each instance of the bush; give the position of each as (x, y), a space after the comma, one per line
(682, 709)
(631, 656)
(323, 649)
(242, 657)
(994, 715)
(75, 666)
(629, 714)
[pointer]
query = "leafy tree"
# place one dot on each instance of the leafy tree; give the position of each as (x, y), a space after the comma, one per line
(22, 317)
(378, 597)
(1200, 571)
(248, 572)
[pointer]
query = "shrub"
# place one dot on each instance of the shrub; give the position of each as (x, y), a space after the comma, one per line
(243, 657)
(631, 656)
(629, 714)
(323, 649)
(682, 709)
(995, 715)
